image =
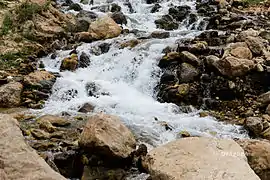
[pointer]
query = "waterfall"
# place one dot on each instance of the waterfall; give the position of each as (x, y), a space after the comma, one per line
(125, 79)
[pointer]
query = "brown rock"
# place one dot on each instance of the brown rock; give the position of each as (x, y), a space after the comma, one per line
(10, 94)
(36, 77)
(255, 44)
(69, 63)
(199, 158)
(54, 120)
(255, 125)
(242, 53)
(86, 108)
(104, 28)
(107, 136)
(264, 98)
(20, 161)
(232, 66)
(258, 155)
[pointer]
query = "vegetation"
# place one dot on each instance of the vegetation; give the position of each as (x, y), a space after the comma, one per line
(7, 24)
(10, 60)
(253, 2)
(27, 10)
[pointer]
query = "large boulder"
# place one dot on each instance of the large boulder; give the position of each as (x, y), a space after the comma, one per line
(18, 160)
(258, 155)
(10, 94)
(104, 28)
(199, 158)
(105, 135)
(232, 66)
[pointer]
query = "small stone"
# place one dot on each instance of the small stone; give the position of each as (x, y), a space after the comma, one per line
(182, 90)
(87, 107)
(259, 68)
(184, 134)
(268, 109)
(231, 85)
(47, 126)
(160, 34)
(203, 114)
(54, 120)
(39, 134)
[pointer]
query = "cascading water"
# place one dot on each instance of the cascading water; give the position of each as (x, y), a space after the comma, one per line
(125, 80)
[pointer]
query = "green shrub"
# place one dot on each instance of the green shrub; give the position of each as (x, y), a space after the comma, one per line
(27, 10)
(253, 2)
(7, 24)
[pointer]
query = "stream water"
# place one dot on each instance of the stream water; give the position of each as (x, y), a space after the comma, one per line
(125, 80)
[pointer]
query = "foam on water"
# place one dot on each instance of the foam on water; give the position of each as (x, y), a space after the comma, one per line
(126, 80)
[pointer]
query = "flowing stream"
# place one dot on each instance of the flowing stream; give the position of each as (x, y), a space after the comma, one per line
(125, 80)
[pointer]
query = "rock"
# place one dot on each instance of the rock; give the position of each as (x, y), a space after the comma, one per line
(184, 134)
(244, 34)
(258, 155)
(119, 18)
(93, 173)
(232, 66)
(198, 158)
(84, 37)
(69, 63)
(115, 8)
(130, 43)
(38, 78)
(15, 150)
(104, 47)
(241, 52)
(179, 13)
(75, 7)
(155, 8)
(267, 111)
(255, 125)
(104, 28)
(151, 1)
(264, 98)
(169, 58)
(54, 120)
(86, 108)
(166, 22)
(88, 16)
(106, 136)
(39, 134)
(82, 25)
(182, 90)
(255, 45)
(10, 94)
(190, 58)
(265, 35)
(84, 60)
(211, 60)
(47, 126)
(187, 73)
(160, 34)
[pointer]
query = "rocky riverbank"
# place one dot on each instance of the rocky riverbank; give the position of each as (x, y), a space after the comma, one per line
(224, 71)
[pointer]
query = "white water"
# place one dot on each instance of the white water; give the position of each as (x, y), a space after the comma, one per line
(129, 76)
